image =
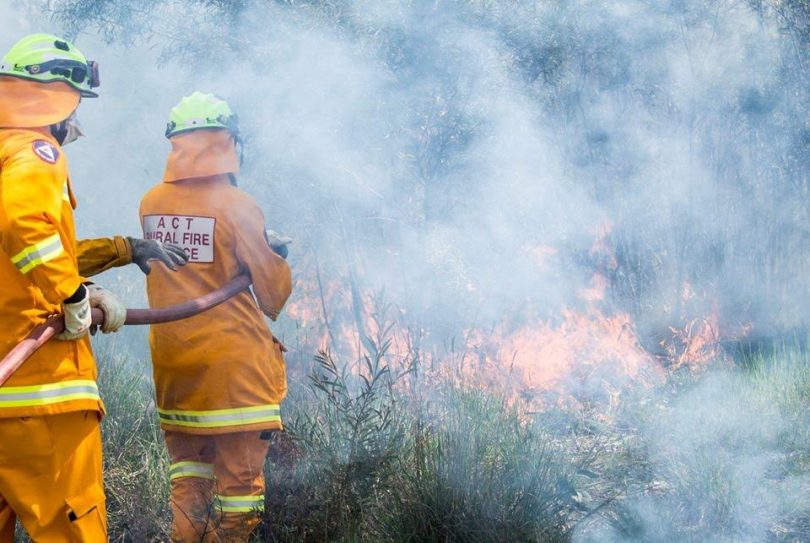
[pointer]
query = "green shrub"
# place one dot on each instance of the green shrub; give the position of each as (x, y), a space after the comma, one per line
(475, 472)
(346, 433)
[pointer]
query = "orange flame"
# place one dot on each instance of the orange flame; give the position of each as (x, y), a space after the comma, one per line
(586, 354)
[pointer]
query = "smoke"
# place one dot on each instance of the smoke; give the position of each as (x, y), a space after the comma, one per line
(433, 147)
(718, 462)
(463, 157)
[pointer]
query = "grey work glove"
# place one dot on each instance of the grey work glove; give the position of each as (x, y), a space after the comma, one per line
(77, 315)
(114, 311)
(144, 250)
(278, 243)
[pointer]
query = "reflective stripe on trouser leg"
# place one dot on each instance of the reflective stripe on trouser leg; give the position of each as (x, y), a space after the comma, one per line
(191, 469)
(239, 504)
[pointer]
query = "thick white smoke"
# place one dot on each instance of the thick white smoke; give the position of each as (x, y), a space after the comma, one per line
(435, 149)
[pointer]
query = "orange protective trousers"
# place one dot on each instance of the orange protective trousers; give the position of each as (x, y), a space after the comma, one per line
(217, 485)
(50, 478)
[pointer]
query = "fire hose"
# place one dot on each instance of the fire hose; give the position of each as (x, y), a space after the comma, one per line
(55, 325)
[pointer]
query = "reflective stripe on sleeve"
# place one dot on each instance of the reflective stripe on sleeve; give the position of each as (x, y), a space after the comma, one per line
(37, 254)
(32, 396)
(219, 418)
(239, 504)
(191, 469)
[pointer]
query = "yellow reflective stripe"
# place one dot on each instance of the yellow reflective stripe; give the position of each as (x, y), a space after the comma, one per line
(239, 504)
(66, 194)
(191, 469)
(221, 417)
(37, 254)
(31, 396)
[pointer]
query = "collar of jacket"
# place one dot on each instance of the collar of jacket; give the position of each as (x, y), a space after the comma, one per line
(28, 104)
(201, 153)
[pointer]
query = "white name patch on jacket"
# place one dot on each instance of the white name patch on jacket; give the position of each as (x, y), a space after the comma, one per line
(194, 234)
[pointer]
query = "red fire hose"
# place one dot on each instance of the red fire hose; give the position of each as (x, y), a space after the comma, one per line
(54, 326)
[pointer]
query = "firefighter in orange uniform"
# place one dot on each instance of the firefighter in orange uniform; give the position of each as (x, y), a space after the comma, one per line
(219, 376)
(50, 446)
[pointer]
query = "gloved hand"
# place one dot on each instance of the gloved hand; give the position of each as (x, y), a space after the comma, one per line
(144, 250)
(114, 311)
(77, 315)
(278, 243)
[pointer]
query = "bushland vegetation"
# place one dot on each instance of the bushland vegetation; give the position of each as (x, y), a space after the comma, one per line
(367, 456)
(433, 150)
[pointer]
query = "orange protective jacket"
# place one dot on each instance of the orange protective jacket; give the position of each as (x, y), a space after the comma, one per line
(220, 371)
(39, 269)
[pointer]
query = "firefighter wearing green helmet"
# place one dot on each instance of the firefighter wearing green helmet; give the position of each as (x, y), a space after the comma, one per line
(219, 377)
(50, 409)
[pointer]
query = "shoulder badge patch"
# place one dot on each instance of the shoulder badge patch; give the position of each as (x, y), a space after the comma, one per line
(46, 152)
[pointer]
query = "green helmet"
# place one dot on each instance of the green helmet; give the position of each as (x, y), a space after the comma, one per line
(201, 111)
(47, 58)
